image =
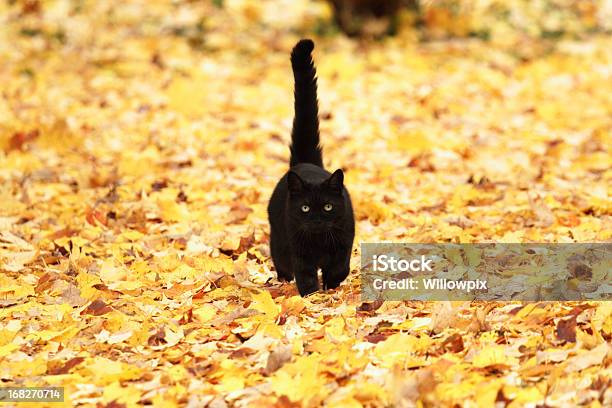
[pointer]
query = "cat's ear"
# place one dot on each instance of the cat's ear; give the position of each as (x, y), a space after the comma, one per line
(295, 183)
(335, 182)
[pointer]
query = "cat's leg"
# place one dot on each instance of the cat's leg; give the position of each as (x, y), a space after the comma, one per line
(281, 258)
(305, 276)
(283, 273)
(337, 269)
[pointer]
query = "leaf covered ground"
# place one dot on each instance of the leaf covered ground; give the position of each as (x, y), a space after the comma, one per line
(140, 141)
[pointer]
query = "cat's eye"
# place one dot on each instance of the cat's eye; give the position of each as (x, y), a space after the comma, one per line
(328, 207)
(305, 208)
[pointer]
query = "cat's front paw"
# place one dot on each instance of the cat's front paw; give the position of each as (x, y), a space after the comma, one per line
(334, 280)
(307, 283)
(284, 278)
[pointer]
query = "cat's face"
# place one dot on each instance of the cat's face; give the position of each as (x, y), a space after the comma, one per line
(317, 208)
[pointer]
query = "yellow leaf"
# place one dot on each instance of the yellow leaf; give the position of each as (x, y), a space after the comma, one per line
(492, 355)
(263, 302)
(177, 373)
(525, 396)
(85, 282)
(127, 394)
(109, 272)
(23, 368)
(7, 349)
(334, 329)
(414, 141)
(171, 211)
(188, 95)
(232, 377)
(105, 371)
(487, 393)
(297, 381)
(205, 313)
(400, 346)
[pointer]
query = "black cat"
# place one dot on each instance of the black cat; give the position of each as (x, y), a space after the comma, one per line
(310, 212)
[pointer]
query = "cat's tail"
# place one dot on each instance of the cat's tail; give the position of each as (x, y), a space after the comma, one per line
(305, 146)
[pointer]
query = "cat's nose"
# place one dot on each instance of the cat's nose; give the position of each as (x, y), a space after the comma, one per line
(317, 226)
